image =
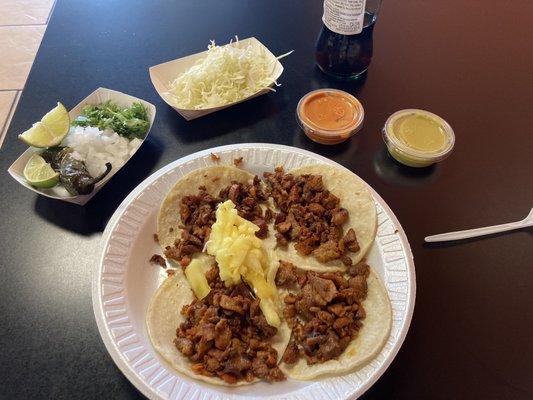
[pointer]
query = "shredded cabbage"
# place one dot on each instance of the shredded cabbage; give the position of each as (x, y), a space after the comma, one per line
(226, 75)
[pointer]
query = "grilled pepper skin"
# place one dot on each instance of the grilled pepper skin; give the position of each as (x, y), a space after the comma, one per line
(73, 173)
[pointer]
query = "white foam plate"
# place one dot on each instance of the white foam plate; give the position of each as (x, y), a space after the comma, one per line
(124, 281)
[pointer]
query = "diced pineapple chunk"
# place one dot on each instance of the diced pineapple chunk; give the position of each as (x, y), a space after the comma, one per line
(270, 313)
(241, 255)
(195, 274)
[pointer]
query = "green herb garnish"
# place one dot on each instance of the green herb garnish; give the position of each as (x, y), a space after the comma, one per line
(129, 122)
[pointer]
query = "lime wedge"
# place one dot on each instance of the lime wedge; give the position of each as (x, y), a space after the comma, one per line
(57, 120)
(38, 136)
(39, 173)
(52, 129)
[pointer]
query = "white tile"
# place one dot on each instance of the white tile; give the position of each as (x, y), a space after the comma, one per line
(25, 12)
(8, 104)
(18, 46)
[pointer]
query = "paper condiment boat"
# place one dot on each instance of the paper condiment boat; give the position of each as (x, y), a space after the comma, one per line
(100, 95)
(163, 74)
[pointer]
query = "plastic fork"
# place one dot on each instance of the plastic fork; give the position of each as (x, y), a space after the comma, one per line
(487, 230)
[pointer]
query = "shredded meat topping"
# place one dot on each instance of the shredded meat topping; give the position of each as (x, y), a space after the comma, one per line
(226, 335)
(248, 199)
(158, 260)
(287, 274)
(325, 313)
(197, 213)
(310, 216)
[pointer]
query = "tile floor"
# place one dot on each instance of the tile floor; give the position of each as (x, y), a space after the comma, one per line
(22, 26)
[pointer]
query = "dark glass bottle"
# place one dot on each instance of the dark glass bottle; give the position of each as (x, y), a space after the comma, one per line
(346, 56)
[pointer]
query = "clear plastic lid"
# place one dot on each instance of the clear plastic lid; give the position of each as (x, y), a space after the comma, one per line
(352, 118)
(399, 148)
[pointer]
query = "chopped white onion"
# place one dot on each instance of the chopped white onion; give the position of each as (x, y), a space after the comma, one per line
(96, 148)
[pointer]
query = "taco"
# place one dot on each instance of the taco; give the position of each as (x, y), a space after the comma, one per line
(217, 318)
(339, 321)
(212, 340)
(326, 217)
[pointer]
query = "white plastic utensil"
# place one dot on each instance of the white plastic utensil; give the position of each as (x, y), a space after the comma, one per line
(470, 233)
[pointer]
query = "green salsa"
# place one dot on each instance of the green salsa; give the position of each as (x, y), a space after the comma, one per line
(420, 132)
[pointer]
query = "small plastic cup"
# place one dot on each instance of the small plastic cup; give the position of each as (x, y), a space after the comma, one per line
(409, 156)
(325, 135)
